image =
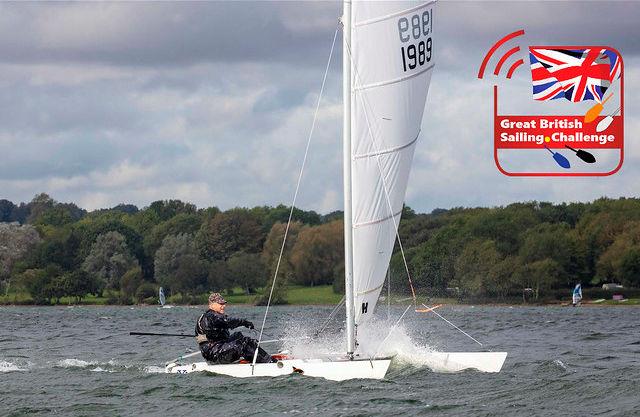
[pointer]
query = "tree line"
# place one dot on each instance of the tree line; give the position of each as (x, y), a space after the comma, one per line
(53, 250)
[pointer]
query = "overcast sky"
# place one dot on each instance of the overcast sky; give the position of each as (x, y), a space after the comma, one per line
(212, 102)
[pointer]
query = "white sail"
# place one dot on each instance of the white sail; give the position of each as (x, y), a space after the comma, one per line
(577, 294)
(161, 297)
(392, 58)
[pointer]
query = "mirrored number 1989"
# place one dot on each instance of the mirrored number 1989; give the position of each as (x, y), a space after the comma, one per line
(417, 27)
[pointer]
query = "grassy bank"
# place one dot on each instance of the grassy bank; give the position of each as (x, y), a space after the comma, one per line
(295, 296)
(319, 295)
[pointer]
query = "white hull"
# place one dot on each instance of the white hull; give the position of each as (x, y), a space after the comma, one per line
(458, 361)
(338, 370)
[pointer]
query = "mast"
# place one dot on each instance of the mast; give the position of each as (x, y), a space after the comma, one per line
(346, 136)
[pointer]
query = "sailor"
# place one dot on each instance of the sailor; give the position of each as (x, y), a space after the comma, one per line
(217, 345)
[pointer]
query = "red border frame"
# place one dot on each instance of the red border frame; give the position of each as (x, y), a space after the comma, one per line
(561, 174)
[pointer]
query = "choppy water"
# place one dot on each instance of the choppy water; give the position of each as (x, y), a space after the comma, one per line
(81, 361)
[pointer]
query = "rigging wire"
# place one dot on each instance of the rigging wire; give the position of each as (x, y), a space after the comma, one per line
(454, 326)
(326, 322)
(295, 196)
(390, 331)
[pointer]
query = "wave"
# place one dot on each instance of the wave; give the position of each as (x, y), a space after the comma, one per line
(73, 363)
(6, 366)
(154, 369)
(111, 366)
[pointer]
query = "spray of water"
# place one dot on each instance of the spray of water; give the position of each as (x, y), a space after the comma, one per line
(377, 338)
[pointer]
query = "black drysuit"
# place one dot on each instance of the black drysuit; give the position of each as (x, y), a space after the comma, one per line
(222, 347)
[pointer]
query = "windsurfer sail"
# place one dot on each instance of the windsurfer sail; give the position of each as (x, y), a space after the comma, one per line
(161, 297)
(577, 294)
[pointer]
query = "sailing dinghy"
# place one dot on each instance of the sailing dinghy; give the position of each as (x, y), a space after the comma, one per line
(388, 59)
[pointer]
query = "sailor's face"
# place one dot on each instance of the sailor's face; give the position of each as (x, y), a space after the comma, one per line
(218, 308)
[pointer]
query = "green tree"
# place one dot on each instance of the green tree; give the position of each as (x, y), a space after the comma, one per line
(270, 255)
(78, 284)
(109, 259)
(432, 263)
(247, 271)
(552, 241)
(166, 209)
(219, 277)
(476, 268)
(38, 205)
(129, 284)
(146, 292)
(6, 210)
(630, 267)
(280, 214)
(15, 242)
(178, 266)
(317, 252)
(89, 228)
(180, 223)
(42, 284)
(619, 261)
(540, 275)
(233, 231)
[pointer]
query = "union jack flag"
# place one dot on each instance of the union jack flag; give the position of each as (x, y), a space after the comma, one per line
(576, 74)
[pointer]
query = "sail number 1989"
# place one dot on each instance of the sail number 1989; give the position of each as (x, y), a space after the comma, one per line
(415, 36)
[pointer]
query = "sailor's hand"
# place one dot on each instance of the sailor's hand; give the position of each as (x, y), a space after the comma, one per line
(248, 325)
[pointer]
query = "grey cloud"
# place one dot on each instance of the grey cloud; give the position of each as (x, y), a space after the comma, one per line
(212, 102)
(167, 34)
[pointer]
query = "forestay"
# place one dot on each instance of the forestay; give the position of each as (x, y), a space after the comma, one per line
(392, 58)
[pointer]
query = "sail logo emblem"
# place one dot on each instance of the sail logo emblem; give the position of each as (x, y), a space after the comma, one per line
(564, 117)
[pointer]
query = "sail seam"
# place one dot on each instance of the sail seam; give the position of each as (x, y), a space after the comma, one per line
(392, 15)
(386, 151)
(394, 81)
(371, 290)
(369, 223)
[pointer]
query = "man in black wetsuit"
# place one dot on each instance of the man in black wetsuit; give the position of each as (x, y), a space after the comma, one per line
(217, 345)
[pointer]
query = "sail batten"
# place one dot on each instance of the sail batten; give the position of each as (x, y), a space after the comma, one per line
(395, 80)
(392, 58)
(372, 222)
(386, 151)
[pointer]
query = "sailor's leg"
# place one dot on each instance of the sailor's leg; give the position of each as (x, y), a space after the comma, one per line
(248, 346)
(229, 352)
(208, 350)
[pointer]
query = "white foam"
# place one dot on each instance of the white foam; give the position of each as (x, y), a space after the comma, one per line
(10, 367)
(74, 363)
(99, 369)
(560, 364)
(375, 338)
(154, 369)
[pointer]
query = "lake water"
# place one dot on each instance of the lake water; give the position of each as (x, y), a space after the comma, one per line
(81, 361)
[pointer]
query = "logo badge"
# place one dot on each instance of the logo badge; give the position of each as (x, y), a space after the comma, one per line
(567, 118)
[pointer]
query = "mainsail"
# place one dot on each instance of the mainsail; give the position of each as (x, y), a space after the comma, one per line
(392, 58)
